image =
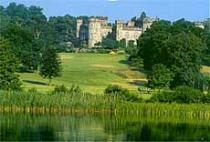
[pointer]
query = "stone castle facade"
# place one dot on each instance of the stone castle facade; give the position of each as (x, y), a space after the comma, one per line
(98, 28)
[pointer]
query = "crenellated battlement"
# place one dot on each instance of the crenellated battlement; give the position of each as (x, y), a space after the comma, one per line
(98, 28)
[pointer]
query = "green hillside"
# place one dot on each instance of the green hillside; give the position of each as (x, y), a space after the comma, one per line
(92, 72)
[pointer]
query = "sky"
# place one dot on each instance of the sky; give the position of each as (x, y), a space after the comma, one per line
(193, 10)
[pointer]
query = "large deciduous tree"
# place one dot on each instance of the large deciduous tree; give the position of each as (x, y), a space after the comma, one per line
(184, 58)
(151, 44)
(50, 64)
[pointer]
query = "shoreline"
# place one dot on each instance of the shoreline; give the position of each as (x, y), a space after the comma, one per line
(143, 109)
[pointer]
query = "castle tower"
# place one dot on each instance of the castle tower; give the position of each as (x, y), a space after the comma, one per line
(119, 28)
(94, 33)
(79, 24)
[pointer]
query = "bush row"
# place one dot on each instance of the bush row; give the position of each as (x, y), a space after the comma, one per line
(182, 95)
(118, 91)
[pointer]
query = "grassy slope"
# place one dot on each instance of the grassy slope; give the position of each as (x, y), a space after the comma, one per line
(92, 72)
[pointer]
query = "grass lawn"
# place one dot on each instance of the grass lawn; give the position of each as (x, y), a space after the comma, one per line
(92, 72)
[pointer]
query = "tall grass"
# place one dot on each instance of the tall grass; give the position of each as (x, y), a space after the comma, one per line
(66, 103)
(59, 101)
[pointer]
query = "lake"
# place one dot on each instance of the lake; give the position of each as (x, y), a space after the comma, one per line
(101, 127)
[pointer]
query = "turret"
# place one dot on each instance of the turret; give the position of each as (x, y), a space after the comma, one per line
(79, 24)
(94, 34)
(119, 27)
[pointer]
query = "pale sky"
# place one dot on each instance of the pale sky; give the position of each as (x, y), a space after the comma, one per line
(193, 10)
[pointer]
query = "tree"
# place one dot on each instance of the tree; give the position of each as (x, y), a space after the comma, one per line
(8, 65)
(184, 58)
(21, 43)
(122, 43)
(139, 21)
(151, 44)
(206, 38)
(65, 27)
(110, 40)
(50, 64)
(5, 19)
(131, 47)
(178, 46)
(159, 77)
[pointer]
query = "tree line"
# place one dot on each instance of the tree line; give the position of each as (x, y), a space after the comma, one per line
(29, 41)
(173, 53)
(29, 32)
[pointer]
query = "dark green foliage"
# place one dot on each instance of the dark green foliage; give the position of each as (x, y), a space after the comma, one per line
(5, 19)
(186, 26)
(131, 48)
(178, 46)
(182, 95)
(8, 65)
(29, 31)
(203, 82)
(60, 89)
(184, 53)
(134, 59)
(74, 90)
(206, 38)
(50, 64)
(115, 90)
(139, 20)
(151, 44)
(110, 40)
(26, 29)
(159, 77)
(206, 98)
(65, 28)
(122, 44)
(21, 43)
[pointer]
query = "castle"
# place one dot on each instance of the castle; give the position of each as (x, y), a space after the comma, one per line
(98, 28)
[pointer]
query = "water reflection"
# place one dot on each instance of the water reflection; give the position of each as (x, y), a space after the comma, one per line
(78, 127)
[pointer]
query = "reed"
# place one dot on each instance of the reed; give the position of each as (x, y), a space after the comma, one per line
(67, 103)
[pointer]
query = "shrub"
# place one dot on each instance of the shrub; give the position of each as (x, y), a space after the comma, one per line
(206, 98)
(64, 90)
(162, 97)
(188, 95)
(116, 90)
(182, 95)
(60, 89)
